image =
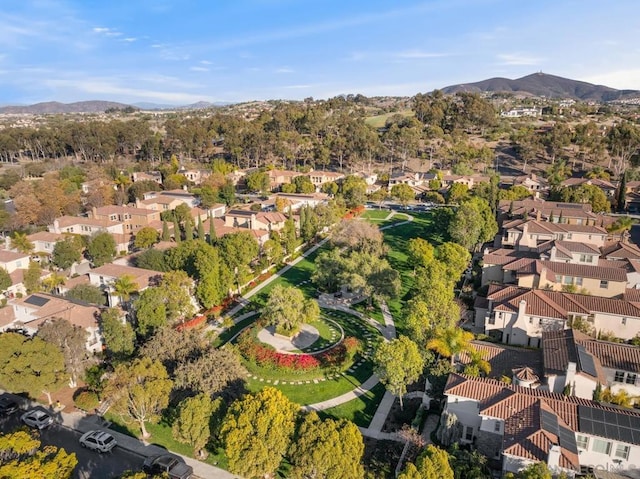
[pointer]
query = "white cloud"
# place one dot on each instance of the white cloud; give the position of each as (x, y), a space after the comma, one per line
(621, 79)
(518, 59)
(129, 39)
(199, 69)
(100, 87)
(205, 62)
(108, 32)
(420, 54)
(284, 70)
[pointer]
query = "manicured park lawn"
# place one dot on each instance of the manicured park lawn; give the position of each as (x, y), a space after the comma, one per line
(359, 410)
(378, 121)
(375, 215)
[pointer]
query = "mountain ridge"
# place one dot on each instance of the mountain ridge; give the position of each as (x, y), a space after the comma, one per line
(55, 107)
(544, 84)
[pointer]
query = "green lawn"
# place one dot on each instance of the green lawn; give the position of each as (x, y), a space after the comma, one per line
(375, 215)
(397, 239)
(373, 313)
(359, 410)
(379, 121)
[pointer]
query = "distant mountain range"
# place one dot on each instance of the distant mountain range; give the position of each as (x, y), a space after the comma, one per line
(54, 107)
(550, 86)
(96, 106)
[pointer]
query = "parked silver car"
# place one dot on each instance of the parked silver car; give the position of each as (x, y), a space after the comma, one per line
(37, 418)
(98, 441)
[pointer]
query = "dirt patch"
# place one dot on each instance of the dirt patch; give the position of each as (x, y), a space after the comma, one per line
(398, 417)
(381, 457)
(65, 397)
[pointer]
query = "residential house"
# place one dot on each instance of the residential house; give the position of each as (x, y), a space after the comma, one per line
(516, 315)
(320, 177)
(468, 180)
(44, 241)
(195, 176)
(530, 234)
(576, 363)
(535, 184)
(522, 112)
(88, 226)
(298, 200)
(93, 185)
(154, 176)
(33, 311)
(166, 200)
(520, 426)
(552, 211)
(221, 229)
(606, 186)
(11, 261)
(106, 275)
(255, 220)
(133, 219)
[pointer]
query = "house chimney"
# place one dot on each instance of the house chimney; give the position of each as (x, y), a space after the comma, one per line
(522, 308)
(94, 212)
(554, 251)
(571, 372)
(553, 459)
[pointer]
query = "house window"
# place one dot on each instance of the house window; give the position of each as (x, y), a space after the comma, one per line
(624, 321)
(604, 284)
(558, 278)
(631, 378)
(569, 235)
(582, 441)
(568, 280)
(468, 435)
(578, 281)
(603, 447)
(496, 426)
(492, 320)
(622, 451)
(530, 320)
(619, 377)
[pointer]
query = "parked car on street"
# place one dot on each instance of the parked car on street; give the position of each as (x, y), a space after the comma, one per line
(8, 406)
(98, 441)
(174, 466)
(37, 418)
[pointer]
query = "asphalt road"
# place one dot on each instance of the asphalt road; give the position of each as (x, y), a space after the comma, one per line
(91, 464)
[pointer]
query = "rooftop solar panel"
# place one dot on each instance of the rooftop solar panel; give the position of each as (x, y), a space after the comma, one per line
(35, 300)
(586, 361)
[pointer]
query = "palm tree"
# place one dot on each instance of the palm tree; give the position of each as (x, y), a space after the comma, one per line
(124, 286)
(53, 281)
(22, 243)
(450, 342)
(477, 363)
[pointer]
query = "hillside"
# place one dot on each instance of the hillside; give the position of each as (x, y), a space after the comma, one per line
(54, 107)
(543, 84)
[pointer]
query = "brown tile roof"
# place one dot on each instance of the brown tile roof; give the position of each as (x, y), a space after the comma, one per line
(45, 236)
(588, 181)
(120, 210)
(66, 221)
(588, 271)
(505, 359)
(543, 227)
(78, 314)
(7, 316)
(620, 250)
(576, 247)
(8, 256)
(142, 277)
(562, 347)
(632, 295)
(526, 433)
(507, 298)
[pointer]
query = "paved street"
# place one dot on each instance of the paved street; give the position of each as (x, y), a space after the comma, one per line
(90, 464)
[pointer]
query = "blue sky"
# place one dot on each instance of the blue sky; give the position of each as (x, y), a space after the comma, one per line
(183, 51)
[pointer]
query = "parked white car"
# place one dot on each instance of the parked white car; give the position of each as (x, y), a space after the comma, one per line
(37, 418)
(98, 441)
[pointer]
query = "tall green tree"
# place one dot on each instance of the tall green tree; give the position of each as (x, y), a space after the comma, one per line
(403, 193)
(33, 365)
(101, 248)
(139, 391)
(119, 337)
(21, 455)
(329, 449)
(5, 280)
(200, 229)
(451, 342)
(433, 463)
(66, 252)
(32, 277)
(87, 293)
(146, 237)
(192, 424)
(257, 432)
(398, 363)
(287, 309)
(72, 341)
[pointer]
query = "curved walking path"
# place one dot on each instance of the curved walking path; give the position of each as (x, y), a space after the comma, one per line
(388, 331)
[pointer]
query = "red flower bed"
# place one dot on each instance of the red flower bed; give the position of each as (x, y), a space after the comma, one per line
(266, 356)
(192, 323)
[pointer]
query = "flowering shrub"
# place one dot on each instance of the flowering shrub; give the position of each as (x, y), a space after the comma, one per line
(192, 323)
(266, 356)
